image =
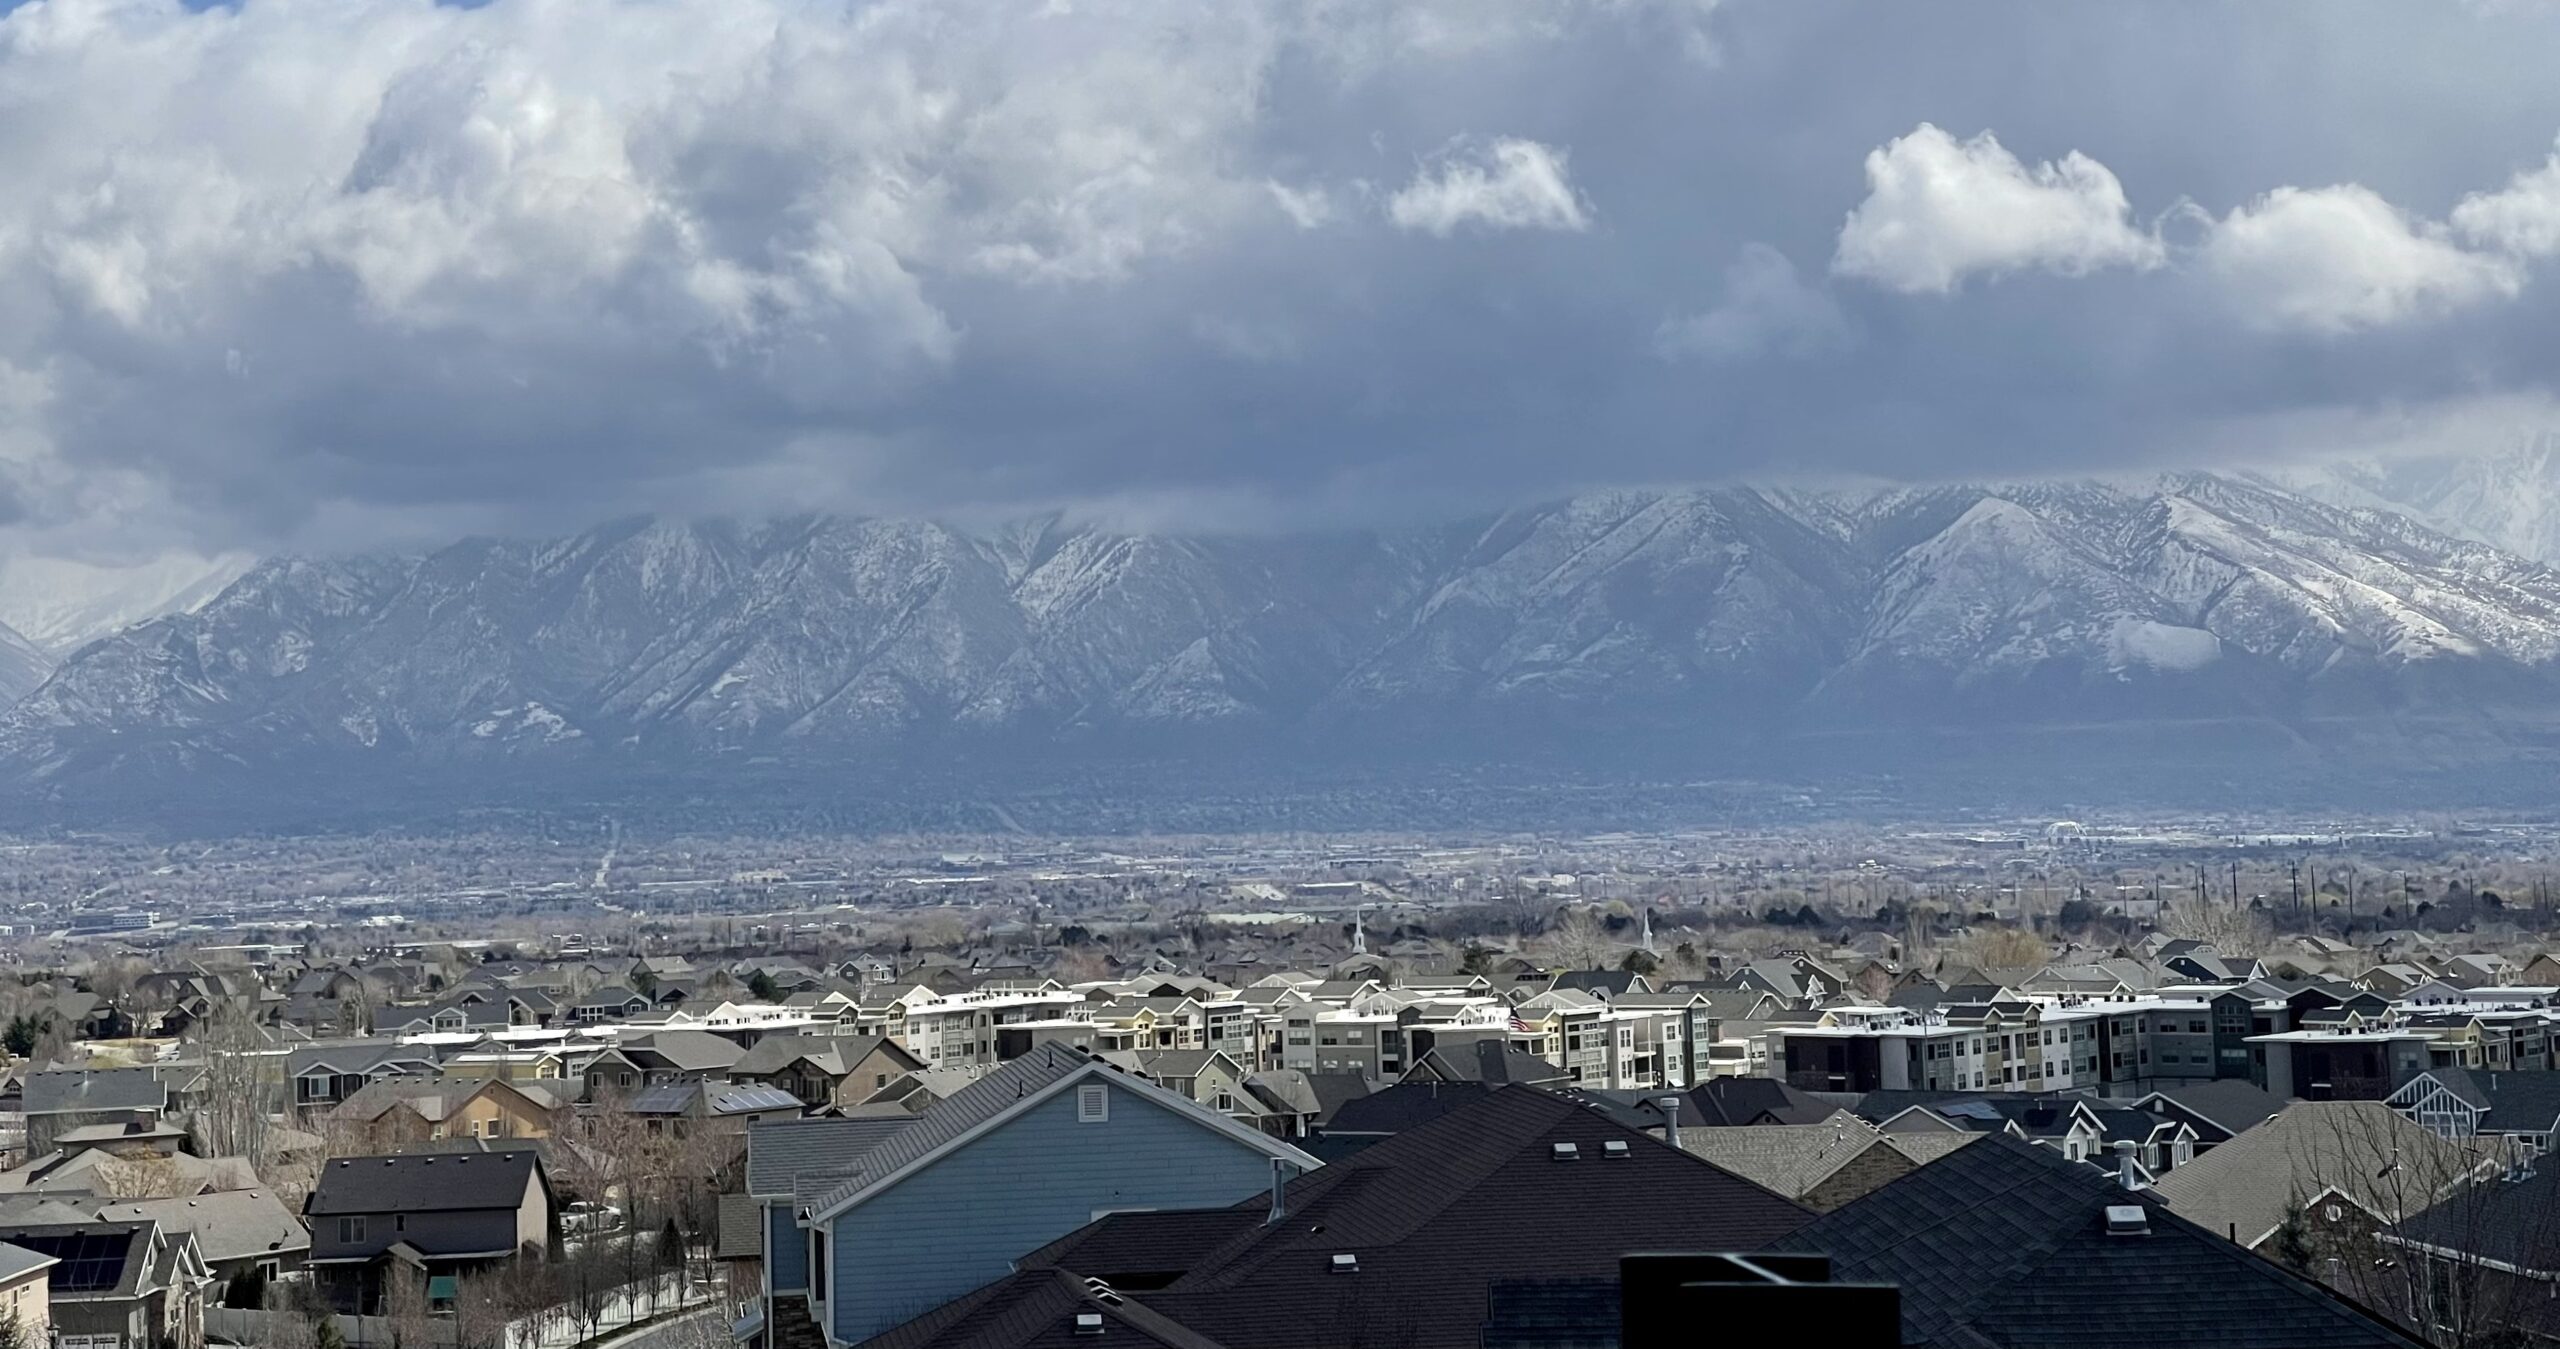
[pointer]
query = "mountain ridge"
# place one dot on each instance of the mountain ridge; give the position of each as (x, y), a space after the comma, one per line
(1724, 616)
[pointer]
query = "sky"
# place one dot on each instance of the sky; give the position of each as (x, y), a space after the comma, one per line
(334, 275)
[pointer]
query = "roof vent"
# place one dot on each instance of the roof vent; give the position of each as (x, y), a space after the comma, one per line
(2128, 1220)
(1088, 1323)
(1101, 1292)
(1615, 1148)
(1346, 1263)
(1567, 1152)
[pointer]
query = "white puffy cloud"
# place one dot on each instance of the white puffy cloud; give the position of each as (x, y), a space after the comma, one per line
(2522, 218)
(1939, 210)
(1766, 308)
(1501, 184)
(2336, 259)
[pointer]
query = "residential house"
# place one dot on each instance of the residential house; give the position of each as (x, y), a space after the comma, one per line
(235, 1231)
(118, 1284)
(1413, 1242)
(825, 1070)
(23, 1293)
(323, 1075)
(390, 1113)
(2486, 1259)
(2461, 1103)
(382, 1225)
(2323, 1177)
(681, 1108)
(63, 1099)
(1029, 1152)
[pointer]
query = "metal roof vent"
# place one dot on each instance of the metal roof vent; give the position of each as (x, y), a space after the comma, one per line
(1088, 1323)
(1346, 1263)
(2128, 1220)
(1567, 1152)
(1615, 1149)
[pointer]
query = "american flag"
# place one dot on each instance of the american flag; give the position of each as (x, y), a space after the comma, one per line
(1521, 1027)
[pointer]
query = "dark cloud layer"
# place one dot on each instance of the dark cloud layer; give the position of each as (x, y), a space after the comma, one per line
(330, 275)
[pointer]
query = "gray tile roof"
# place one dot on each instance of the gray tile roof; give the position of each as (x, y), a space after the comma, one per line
(780, 1151)
(17, 1261)
(239, 1225)
(2363, 1149)
(72, 1090)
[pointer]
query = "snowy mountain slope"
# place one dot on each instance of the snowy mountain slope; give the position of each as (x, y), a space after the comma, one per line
(23, 666)
(2508, 498)
(62, 605)
(1726, 612)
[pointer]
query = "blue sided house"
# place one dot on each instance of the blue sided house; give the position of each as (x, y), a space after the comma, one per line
(870, 1222)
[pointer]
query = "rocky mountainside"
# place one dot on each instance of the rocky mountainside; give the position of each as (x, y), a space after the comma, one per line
(1719, 616)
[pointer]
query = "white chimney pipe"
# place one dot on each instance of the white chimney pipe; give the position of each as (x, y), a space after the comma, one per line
(1671, 1120)
(2126, 1176)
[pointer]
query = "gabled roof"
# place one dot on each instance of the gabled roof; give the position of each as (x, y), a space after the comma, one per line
(1787, 1159)
(2223, 1108)
(1009, 1089)
(2510, 1102)
(423, 1183)
(239, 1225)
(99, 1260)
(773, 1053)
(2005, 1245)
(1432, 1219)
(2362, 1150)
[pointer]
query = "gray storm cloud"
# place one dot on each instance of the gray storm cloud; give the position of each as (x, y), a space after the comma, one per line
(339, 273)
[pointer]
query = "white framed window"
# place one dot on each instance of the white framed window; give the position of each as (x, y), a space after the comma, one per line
(1093, 1104)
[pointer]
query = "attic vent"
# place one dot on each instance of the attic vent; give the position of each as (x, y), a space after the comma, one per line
(1615, 1148)
(2128, 1220)
(1346, 1263)
(1088, 1323)
(1093, 1104)
(1101, 1292)
(1567, 1152)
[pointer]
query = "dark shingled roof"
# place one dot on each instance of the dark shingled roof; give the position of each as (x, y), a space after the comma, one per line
(2512, 1222)
(1037, 1309)
(2004, 1245)
(1435, 1216)
(1406, 1105)
(423, 1182)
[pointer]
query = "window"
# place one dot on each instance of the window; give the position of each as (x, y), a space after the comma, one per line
(818, 1264)
(399, 1222)
(1093, 1104)
(350, 1230)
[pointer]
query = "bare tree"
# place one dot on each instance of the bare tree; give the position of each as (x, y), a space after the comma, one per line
(2229, 930)
(241, 1098)
(1578, 940)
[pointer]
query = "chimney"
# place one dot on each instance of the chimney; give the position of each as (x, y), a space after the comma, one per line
(1279, 1192)
(2126, 1176)
(1671, 1120)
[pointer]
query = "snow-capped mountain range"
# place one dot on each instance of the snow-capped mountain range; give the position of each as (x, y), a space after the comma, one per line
(1713, 613)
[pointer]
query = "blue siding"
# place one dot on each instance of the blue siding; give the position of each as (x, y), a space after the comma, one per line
(786, 1250)
(963, 1220)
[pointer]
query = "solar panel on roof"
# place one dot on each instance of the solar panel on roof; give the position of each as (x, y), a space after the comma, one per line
(91, 1261)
